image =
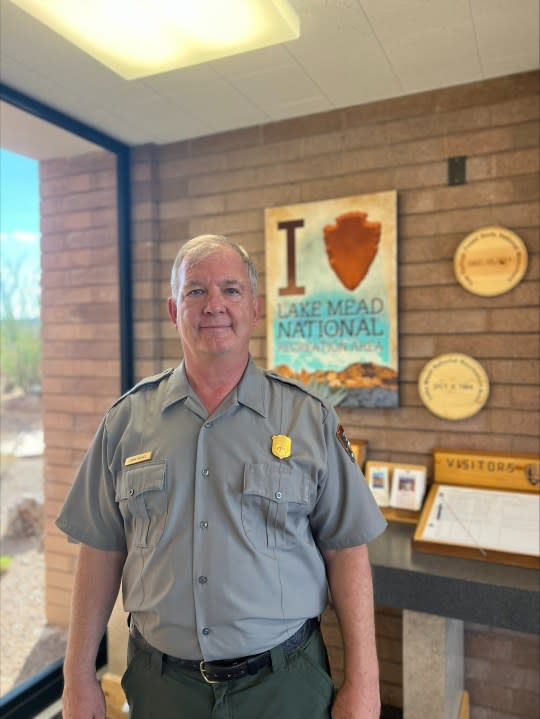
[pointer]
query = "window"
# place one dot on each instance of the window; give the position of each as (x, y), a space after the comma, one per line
(76, 344)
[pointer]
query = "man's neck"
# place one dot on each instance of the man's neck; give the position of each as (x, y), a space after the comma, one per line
(213, 380)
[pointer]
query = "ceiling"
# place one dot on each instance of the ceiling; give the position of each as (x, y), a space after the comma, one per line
(350, 52)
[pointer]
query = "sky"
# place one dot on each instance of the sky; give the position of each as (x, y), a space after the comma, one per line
(19, 232)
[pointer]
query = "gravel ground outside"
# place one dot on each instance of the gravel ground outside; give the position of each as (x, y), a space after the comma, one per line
(27, 643)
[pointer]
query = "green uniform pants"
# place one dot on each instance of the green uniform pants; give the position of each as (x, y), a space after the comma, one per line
(296, 686)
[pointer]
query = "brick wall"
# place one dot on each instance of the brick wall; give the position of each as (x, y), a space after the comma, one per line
(501, 673)
(388, 625)
(80, 331)
(223, 183)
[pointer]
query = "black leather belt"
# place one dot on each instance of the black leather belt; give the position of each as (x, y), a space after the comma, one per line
(224, 670)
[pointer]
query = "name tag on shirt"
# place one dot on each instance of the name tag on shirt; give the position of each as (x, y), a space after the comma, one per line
(136, 458)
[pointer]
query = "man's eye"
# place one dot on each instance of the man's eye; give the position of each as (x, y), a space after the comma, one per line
(195, 292)
(232, 291)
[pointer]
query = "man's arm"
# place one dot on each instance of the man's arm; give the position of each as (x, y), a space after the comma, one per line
(97, 581)
(349, 578)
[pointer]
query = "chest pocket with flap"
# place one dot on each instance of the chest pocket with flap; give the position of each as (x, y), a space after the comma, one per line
(275, 505)
(141, 494)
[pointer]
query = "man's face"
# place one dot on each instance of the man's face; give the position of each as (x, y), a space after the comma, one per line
(215, 312)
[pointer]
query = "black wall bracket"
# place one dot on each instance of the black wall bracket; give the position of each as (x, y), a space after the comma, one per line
(457, 170)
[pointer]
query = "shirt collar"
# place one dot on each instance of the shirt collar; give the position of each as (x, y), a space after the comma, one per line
(178, 387)
(251, 391)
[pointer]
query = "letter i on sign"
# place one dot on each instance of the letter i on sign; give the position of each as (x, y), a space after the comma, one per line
(290, 226)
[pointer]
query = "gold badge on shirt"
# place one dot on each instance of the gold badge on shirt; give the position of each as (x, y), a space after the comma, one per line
(136, 458)
(281, 446)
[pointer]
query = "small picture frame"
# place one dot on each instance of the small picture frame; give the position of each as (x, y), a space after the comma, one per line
(408, 488)
(378, 479)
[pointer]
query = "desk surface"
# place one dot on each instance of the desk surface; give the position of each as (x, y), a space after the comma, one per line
(474, 591)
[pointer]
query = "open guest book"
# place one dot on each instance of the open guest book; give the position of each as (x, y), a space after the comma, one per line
(483, 506)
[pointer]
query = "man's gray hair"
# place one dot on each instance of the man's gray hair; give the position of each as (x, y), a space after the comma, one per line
(199, 248)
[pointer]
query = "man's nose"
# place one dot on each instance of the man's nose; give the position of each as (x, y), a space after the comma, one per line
(214, 301)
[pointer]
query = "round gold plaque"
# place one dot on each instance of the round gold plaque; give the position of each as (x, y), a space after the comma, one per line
(453, 386)
(490, 261)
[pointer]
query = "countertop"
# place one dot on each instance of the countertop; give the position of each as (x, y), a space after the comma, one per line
(475, 591)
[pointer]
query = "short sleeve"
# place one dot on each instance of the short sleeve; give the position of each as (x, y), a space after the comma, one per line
(345, 514)
(90, 513)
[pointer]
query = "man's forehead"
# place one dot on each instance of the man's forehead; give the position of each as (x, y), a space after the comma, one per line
(223, 264)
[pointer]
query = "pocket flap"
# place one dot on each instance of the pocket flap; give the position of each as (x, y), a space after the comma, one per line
(279, 484)
(148, 477)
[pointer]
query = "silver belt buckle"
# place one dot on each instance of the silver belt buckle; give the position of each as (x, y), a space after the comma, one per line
(202, 669)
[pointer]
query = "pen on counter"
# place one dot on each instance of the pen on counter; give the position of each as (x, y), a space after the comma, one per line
(439, 511)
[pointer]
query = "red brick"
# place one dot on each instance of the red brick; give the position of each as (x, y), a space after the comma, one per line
(223, 141)
(321, 123)
(61, 562)
(58, 544)
(170, 172)
(526, 651)
(58, 608)
(60, 580)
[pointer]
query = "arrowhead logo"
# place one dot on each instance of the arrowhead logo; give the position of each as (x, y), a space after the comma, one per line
(351, 246)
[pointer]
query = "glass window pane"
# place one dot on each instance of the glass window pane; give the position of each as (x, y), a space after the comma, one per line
(59, 368)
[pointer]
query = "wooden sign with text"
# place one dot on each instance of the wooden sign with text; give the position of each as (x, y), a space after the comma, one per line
(490, 261)
(483, 505)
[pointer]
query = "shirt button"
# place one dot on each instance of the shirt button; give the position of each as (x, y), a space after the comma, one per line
(206, 631)
(278, 495)
(131, 492)
(203, 580)
(208, 425)
(205, 472)
(203, 525)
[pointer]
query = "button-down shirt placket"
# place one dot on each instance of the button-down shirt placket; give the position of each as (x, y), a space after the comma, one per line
(206, 476)
(203, 475)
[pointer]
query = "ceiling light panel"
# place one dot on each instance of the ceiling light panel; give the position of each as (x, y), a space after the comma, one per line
(138, 38)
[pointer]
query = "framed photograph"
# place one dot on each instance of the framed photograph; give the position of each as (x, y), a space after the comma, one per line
(408, 488)
(378, 479)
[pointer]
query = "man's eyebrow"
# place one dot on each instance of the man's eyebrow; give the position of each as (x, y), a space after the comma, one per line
(200, 283)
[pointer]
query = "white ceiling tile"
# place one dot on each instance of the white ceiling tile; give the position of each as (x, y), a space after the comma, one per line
(298, 108)
(347, 75)
(422, 53)
(203, 93)
(508, 35)
(276, 85)
(253, 62)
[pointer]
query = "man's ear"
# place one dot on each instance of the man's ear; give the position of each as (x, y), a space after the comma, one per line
(172, 310)
(258, 307)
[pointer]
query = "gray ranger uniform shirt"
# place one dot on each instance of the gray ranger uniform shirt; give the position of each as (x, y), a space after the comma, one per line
(223, 536)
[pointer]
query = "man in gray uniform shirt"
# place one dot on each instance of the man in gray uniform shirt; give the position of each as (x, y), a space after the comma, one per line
(226, 500)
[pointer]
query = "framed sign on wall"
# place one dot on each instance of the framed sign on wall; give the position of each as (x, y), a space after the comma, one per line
(331, 297)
